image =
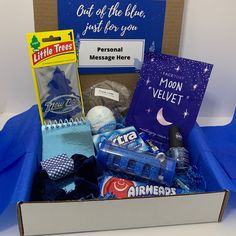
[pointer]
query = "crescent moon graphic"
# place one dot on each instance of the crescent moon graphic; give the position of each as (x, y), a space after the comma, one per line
(120, 189)
(161, 119)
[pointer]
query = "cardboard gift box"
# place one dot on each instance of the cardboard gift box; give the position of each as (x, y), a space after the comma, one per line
(35, 218)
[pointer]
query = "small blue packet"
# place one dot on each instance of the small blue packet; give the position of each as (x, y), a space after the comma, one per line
(127, 137)
(169, 92)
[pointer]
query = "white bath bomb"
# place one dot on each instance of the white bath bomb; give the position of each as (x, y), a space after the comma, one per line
(101, 119)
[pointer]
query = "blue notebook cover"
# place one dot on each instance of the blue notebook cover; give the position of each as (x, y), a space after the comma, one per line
(67, 138)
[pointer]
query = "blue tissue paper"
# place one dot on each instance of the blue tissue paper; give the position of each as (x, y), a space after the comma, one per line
(222, 142)
(20, 153)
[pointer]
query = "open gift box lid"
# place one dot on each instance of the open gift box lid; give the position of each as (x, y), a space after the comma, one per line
(20, 156)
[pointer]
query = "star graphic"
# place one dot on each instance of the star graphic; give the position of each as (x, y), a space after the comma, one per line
(205, 70)
(148, 110)
(152, 60)
(148, 81)
(185, 113)
(195, 87)
(177, 69)
(149, 87)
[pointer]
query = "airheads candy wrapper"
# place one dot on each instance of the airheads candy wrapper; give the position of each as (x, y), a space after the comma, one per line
(122, 188)
(126, 137)
(169, 92)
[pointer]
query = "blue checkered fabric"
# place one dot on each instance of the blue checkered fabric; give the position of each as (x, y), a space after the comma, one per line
(58, 167)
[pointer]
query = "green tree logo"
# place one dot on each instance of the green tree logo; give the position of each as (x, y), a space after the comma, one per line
(35, 44)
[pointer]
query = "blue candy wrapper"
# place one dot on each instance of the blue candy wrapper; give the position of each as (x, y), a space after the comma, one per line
(126, 137)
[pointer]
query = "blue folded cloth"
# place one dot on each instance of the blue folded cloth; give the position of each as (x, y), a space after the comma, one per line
(58, 167)
(84, 176)
(20, 154)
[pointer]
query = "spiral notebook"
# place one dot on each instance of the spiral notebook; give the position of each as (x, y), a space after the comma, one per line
(68, 137)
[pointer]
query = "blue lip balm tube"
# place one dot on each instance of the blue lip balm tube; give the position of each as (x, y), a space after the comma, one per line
(142, 165)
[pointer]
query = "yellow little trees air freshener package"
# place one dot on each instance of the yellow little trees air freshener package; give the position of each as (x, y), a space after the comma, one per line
(54, 66)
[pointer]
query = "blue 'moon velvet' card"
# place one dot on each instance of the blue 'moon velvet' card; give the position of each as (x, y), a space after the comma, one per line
(169, 92)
